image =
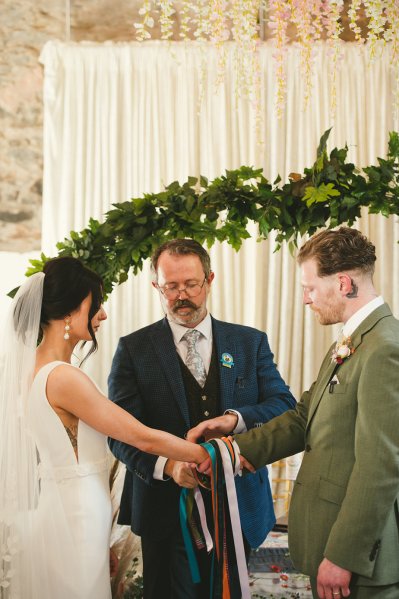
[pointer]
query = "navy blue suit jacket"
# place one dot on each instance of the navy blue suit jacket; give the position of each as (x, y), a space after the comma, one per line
(146, 381)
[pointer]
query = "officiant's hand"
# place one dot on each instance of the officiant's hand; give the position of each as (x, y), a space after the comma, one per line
(245, 465)
(214, 427)
(182, 473)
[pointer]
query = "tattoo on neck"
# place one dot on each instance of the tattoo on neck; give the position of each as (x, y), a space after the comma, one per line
(353, 292)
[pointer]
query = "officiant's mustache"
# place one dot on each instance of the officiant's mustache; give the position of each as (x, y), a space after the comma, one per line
(184, 303)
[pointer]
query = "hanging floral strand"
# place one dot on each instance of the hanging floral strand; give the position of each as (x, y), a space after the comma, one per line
(147, 22)
(218, 21)
(185, 20)
(353, 14)
(332, 23)
(374, 11)
(280, 14)
(166, 18)
(391, 35)
(245, 34)
(219, 33)
(303, 16)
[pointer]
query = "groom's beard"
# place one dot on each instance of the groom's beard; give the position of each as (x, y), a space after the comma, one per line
(329, 314)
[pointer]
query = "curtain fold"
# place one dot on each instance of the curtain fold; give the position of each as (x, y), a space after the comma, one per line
(127, 118)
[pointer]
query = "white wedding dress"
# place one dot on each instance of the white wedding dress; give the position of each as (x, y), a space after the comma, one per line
(73, 514)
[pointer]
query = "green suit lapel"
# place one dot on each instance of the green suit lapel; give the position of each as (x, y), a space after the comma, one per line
(329, 368)
(367, 324)
(326, 373)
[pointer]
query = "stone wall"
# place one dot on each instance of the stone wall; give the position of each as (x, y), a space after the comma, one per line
(25, 26)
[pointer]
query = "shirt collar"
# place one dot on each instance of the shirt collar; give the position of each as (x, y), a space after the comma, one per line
(357, 318)
(179, 330)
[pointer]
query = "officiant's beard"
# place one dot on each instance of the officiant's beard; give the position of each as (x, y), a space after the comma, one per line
(195, 315)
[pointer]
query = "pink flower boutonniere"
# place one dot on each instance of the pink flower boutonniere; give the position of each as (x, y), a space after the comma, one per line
(342, 351)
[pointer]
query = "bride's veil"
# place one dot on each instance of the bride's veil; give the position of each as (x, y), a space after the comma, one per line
(28, 542)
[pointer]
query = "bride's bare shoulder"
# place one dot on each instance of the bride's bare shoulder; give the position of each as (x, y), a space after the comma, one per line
(63, 370)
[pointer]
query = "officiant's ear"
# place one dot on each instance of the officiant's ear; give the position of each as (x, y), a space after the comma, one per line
(210, 277)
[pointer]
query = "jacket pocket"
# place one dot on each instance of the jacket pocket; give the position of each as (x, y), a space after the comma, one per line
(331, 492)
(339, 389)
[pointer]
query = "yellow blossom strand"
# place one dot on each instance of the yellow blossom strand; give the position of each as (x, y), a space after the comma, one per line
(302, 17)
(185, 19)
(353, 11)
(280, 13)
(377, 19)
(147, 21)
(219, 33)
(201, 27)
(391, 35)
(166, 18)
(331, 20)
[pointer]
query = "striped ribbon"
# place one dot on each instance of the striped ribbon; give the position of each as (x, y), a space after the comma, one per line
(228, 555)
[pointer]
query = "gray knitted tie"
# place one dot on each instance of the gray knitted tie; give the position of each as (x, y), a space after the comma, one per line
(194, 361)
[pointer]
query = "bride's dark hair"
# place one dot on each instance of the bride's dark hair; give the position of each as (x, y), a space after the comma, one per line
(67, 283)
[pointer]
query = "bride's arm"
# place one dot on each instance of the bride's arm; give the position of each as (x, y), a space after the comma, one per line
(71, 390)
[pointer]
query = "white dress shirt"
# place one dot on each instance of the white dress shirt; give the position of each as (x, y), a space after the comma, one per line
(357, 318)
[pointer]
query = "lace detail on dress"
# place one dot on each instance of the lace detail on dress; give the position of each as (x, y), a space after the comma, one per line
(73, 437)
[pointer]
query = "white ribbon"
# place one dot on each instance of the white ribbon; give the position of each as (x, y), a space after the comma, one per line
(201, 509)
(235, 516)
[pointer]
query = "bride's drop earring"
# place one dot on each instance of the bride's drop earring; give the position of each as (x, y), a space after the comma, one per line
(67, 328)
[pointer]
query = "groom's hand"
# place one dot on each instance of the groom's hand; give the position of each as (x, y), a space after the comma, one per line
(182, 473)
(215, 427)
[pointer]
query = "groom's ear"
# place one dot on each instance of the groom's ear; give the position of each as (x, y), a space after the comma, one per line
(345, 283)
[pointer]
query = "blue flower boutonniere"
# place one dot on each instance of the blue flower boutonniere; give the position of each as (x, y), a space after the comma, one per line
(342, 351)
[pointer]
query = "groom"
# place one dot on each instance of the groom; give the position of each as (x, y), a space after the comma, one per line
(171, 375)
(343, 520)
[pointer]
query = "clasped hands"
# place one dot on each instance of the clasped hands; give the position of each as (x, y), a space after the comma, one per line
(332, 580)
(183, 472)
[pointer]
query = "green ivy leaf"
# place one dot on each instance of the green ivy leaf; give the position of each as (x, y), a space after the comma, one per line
(319, 194)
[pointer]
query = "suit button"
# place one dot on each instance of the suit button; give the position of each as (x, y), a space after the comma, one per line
(308, 447)
(206, 413)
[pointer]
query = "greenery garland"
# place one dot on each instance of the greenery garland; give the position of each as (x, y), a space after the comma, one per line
(329, 193)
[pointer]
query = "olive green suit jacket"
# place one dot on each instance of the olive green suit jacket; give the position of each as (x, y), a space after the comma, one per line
(343, 502)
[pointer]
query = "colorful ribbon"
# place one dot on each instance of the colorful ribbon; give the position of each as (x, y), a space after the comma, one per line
(228, 555)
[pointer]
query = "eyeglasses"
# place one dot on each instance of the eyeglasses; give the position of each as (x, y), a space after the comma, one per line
(172, 291)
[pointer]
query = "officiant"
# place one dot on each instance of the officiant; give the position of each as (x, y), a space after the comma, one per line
(171, 375)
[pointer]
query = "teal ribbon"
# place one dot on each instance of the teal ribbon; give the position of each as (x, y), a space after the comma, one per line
(184, 500)
(192, 560)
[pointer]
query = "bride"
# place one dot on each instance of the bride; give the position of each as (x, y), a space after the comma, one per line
(55, 509)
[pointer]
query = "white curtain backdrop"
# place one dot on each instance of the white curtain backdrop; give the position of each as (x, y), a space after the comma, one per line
(124, 119)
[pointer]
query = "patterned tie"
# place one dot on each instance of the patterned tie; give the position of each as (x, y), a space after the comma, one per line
(194, 361)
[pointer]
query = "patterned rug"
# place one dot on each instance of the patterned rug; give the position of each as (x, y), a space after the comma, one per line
(270, 559)
(271, 573)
